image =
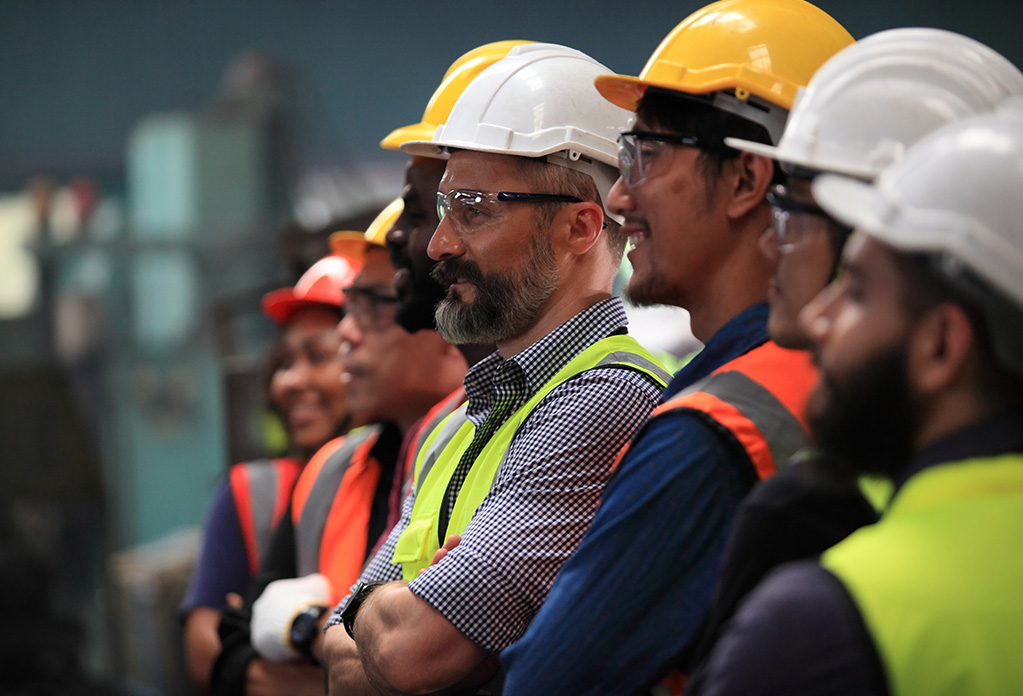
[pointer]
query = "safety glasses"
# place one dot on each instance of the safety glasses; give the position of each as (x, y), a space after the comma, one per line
(473, 210)
(792, 236)
(642, 155)
(371, 308)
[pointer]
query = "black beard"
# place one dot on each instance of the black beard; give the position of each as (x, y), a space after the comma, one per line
(867, 418)
(416, 311)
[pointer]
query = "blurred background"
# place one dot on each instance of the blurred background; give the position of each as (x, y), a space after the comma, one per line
(162, 165)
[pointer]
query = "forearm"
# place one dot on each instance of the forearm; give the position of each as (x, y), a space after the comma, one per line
(268, 678)
(202, 645)
(340, 658)
(407, 647)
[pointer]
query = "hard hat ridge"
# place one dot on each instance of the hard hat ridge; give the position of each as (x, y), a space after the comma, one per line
(955, 196)
(872, 100)
(538, 101)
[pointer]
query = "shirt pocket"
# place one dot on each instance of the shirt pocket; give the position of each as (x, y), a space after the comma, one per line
(413, 544)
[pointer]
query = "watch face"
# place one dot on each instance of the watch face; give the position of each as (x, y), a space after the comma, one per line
(303, 629)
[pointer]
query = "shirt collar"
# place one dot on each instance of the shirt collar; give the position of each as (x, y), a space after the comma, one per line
(990, 437)
(740, 334)
(527, 371)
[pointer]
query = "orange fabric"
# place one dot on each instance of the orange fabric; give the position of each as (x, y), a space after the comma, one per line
(788, 374)
(748, 435)
(308, 478)
(343, 546)
(239, 477)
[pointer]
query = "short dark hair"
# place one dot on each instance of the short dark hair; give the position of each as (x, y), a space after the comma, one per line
(926, 281)
(696, 115)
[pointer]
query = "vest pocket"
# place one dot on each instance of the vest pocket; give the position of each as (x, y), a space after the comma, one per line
(413, 544)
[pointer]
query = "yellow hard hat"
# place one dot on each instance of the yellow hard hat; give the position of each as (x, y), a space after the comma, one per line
(767, 48)
(354, 244)
(460, 74)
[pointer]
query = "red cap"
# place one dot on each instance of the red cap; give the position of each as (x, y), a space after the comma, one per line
(322, 284)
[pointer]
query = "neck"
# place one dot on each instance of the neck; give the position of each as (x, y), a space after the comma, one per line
(558, 310)
(949, 413)
(737, 284)
(474, 352)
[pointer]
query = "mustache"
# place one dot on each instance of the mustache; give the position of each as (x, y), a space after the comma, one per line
(448, 271)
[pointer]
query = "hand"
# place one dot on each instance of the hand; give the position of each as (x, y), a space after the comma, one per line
(275, 611)
(450, 543)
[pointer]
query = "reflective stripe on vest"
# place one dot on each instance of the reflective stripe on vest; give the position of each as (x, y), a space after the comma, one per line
(443, 448)
(937, 580)
(331, 508)
(261, 490)
(759, 398)
(433, 418)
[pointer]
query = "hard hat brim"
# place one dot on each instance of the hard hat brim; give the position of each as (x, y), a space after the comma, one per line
(399, 136)
(350, 244)
(622, 90)
(855, 204)
(281, 305)
(763, 149)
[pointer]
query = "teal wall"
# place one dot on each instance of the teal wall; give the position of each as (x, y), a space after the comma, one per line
(76, 75)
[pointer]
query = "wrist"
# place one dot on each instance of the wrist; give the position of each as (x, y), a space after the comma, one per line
(304, 629)
(360, 593)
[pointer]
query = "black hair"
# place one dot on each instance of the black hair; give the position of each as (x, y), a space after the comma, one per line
(928, 280)
(696, 115)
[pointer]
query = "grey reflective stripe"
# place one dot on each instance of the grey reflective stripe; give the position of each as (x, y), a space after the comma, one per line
(263, 483)
(309, 530)
(424, 434)
(449, 427)
(645, 366)
(779, 426)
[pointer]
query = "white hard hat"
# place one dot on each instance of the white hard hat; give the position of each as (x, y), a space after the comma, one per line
(540, 101)
(867, 104)
(957, 194)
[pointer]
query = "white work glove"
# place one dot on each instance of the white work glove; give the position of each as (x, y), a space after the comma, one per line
(275, 611)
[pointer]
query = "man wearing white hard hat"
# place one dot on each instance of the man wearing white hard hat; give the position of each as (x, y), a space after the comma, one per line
(528, 255)
(859, 114)
(920, 346)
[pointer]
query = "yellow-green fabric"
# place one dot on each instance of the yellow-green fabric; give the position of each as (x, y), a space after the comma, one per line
(419, 541)
(939, 580)
(877, 490)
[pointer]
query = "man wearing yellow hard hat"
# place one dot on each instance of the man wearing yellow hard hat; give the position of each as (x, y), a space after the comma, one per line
(694, 210)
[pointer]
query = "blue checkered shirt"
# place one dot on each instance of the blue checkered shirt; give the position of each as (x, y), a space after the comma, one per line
(547, 489)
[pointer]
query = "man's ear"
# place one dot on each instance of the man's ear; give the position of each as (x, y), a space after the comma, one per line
(940, 347)
(749, 177)
(583, 223)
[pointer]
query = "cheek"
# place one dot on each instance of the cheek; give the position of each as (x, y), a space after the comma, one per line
(328, 380)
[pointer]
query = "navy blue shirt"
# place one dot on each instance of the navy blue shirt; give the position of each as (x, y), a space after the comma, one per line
(641, 580)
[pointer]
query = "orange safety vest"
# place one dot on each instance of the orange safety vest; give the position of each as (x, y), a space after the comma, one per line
(261, 490)
(331, 508)
(759, 398)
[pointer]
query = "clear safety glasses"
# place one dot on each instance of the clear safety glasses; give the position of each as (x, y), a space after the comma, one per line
(791, 236)
(473, 210)
(371, 308)
(642, 154)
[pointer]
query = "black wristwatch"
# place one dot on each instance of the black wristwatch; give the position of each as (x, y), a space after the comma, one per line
(304, 628)
(355, 600)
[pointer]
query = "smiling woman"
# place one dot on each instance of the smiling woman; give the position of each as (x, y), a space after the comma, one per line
(304, 388)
